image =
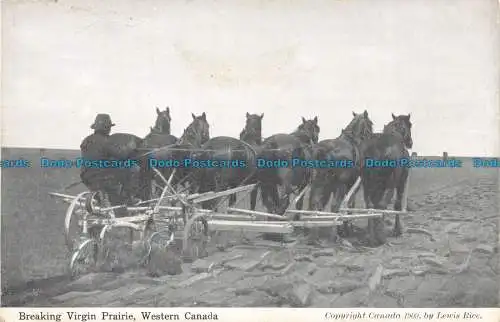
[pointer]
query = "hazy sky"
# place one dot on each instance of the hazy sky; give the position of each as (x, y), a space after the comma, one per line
(65, 62)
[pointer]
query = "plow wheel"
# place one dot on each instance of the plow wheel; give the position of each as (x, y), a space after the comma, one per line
(84, 258)
(195, 238)
(73, 223)
(160, 239)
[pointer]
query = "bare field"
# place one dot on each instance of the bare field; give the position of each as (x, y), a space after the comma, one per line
(448, 255)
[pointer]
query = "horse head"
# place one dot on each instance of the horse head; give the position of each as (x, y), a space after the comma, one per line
(360, 127)
(163, 119)
(198, 132)
(252, 133)
(310, 128)
(401, 125)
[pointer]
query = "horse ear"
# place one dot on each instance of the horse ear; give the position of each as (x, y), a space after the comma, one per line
(168, 110)
(303, 120)
(248, 115)
(194, 116)
(366, 114)
(409, 115)
(204, 116)
(157, 110)
(393, 116)
(353, 114)
(262, 116)
(316, 119)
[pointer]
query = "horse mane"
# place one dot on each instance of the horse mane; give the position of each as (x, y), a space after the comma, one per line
(390, 127)
(189, 130)
(300, 133)
(353, 132)
(393, 128)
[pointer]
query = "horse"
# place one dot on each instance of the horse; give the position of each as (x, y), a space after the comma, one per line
(252, 134)
(338, 179)
(160, 135)
(181, 152)
(239, 158)
(278, 182)
(379, 182)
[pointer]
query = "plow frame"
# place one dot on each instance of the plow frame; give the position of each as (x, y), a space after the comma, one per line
(197, 223)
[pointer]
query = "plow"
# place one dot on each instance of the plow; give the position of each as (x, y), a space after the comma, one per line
(88, 222)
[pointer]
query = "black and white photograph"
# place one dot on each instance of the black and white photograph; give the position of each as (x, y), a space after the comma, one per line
(279, 153)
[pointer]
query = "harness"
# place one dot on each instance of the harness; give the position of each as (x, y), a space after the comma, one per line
(156, 131)
(355, 148)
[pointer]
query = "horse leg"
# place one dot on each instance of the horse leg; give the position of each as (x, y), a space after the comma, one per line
(379, 237)
(319, 196)
(351, 203)
(373, 193)
(145, 182)
(389, 193)
(284, 199)
(318, 199)
(217, 185)
(253, 198)
(366, 195)
(232, 199)
(269, 197)
(339, 192)
(365, 182)
(400, 191)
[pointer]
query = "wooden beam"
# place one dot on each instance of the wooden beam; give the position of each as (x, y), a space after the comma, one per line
(213, 195)
(256, 213)
(364, 211)
(264, 227)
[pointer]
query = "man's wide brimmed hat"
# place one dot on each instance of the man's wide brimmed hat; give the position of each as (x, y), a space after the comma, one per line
(102, 121)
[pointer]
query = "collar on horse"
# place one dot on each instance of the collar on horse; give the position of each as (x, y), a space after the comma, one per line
(156, 131)
(184, 137)
(257, 137)
(347, 136)
(302, 134)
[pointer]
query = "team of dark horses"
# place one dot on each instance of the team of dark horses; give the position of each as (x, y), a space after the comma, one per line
(356, 142)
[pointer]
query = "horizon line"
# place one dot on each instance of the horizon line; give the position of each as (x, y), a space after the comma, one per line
(418, 154)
